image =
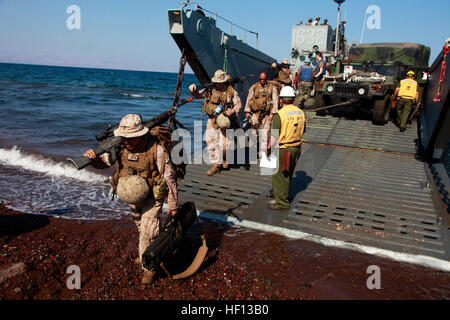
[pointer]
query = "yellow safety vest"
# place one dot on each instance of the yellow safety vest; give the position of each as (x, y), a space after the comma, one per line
(292, 126)
(408, 89)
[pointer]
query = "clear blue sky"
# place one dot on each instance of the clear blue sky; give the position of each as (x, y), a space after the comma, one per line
(133, 34)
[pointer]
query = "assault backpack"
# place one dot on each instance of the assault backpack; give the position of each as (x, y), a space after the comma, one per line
(163, 135)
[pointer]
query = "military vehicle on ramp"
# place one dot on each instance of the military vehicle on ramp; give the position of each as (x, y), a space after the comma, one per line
(370, 75)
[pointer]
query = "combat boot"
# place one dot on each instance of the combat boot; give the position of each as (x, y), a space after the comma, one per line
(214, 169)
(225, 165)
(148, 276)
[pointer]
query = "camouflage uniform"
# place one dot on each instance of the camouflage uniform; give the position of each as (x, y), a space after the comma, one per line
(284, 77)
(263, 121)
(216, 140)
(304, 91)
(303, 79)
(141, 155)
(146, 215)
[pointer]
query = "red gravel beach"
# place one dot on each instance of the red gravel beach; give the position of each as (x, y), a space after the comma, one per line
(36, 250)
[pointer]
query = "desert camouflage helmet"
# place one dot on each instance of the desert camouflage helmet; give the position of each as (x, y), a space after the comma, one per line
(131, 127)
(132, 189)
(223, 121)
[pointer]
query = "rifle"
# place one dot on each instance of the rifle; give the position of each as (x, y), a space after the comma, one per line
(107, 142)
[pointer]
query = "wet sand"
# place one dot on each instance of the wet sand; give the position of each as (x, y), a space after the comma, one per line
(241, 264)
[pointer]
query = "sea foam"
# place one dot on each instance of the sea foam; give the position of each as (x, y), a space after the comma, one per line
(17, 158)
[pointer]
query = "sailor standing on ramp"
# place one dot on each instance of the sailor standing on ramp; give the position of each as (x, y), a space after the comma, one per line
(290, 123)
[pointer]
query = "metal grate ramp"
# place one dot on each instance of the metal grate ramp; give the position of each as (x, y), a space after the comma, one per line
(360, 133)
(372, 198)
(231, 191)
(348, 186)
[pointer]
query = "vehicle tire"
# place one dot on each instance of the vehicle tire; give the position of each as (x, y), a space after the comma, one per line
(382, 110)
(320, 103)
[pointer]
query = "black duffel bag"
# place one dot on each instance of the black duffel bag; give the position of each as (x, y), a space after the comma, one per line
(169, 239)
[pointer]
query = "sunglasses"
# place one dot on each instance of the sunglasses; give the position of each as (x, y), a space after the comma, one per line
(128, 139)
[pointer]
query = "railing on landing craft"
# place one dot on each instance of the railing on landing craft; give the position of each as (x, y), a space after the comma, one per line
(216, 16)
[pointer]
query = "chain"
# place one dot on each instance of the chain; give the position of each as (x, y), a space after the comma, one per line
(177, 93)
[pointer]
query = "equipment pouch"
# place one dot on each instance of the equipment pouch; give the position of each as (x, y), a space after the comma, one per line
(160, 188)
(215, 98)
(132, 171)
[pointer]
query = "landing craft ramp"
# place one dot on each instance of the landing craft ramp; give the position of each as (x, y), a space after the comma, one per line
(355, 182)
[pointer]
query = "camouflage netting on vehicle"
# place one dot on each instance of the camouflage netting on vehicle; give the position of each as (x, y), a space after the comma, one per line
(409, 53)
(357, 76)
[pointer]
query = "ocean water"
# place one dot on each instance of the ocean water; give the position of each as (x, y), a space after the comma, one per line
(49, 113)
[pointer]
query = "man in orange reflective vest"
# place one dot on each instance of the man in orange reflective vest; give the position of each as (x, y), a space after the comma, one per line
(290, 123)
(407, 94)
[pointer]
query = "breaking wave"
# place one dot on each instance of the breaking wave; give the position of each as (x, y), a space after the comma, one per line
(34, 184)
(17, 158)
(133, 95)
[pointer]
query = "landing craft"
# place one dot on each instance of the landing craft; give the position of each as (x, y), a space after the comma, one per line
(208, 48)
(357, 185)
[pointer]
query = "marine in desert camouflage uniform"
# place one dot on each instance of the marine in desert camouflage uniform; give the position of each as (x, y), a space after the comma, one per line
(141, 155)
(221, 94)
(261, 106)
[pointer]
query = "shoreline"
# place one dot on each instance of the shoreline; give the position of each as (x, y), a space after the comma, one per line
(241, 264)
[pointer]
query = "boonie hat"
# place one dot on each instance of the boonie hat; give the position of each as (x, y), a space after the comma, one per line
(219, 77)
(130, 127)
